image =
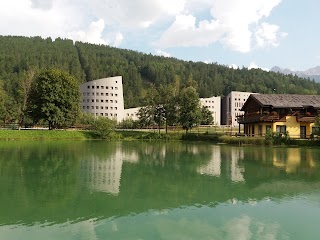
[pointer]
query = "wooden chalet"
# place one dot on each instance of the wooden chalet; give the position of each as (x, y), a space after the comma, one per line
(295, 114)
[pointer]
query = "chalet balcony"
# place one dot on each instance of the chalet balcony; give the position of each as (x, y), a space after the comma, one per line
(273, 117)
(259, 117)
(308, 118)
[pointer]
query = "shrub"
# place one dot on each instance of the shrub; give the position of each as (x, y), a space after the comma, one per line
(104, 128)
(275, 138)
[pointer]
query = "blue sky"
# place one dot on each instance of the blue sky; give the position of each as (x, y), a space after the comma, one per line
(249, 33)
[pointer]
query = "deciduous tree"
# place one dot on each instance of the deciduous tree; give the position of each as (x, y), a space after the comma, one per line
(55, 98)
(189, 108)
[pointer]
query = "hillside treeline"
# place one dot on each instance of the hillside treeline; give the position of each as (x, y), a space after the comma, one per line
(22, 58)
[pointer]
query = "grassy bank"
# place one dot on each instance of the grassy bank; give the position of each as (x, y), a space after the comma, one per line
(45, 134)
(143, 135)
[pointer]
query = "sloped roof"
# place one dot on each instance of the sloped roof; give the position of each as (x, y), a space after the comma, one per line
(287, 100)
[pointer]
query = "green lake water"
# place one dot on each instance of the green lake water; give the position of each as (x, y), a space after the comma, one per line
(141, 190)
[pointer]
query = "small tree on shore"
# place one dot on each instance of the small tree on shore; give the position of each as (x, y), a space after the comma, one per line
(189, 108)
(104, 127)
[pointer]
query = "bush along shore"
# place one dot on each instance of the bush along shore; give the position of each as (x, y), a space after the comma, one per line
(273, 140)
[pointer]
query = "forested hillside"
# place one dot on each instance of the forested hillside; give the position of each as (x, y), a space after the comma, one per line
(23, 57)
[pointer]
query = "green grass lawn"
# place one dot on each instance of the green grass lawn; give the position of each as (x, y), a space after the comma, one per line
(45, 134)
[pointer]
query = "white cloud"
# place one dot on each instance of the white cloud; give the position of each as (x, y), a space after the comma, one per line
(233, 23)
(253, 65)
(136, 14)
(162, 53)
(268, 34)
(91, 35)
(234, 66)
(42, 4)
(183, 32)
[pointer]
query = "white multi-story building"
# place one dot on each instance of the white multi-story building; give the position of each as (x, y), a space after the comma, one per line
(233, 104)
(214, 105)
(103, 97)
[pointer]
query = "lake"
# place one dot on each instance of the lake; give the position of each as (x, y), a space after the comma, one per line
(149, 190)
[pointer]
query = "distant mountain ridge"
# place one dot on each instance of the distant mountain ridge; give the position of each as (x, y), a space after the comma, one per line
(312, 73)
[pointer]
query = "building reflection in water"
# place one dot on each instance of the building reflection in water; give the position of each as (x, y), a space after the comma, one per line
(291, 159)
(213, 167)
(103, 174)
(236, 170)
(231, 158)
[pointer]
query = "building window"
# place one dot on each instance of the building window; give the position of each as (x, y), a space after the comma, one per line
(92, 87)
(111, 94)
(92, 100)
(83, 107)
(268, 128)
(111, 108)
(101, 114)
(92, 94)
(115, 108)
(97, 100)
(101, 107)
(116, 114)
(97, 94)
(101, 100)
(88, 94)
(116, 81)
(102, 87)
(281, 129)
(107, 87)
(88, 100)
(111, 114)
(111, 101)
(111, 87)
(106, 114)
(315, 130)
(116, 95)
(92, 107)
(88, 86)
(116, 88)
(115, 101)
(97, 87)
(97, 107)
(102, 94)
(87, 107)
(84, 94)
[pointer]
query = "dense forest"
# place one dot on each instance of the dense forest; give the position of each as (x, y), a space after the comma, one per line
(22, 58)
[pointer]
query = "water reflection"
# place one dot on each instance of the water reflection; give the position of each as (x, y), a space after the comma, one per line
(213, 167)
(103, 173)
(84, 180)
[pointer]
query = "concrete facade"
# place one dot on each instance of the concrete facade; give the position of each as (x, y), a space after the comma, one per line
(131, 113)
(103, 97)
(234, 101)
(214, 105)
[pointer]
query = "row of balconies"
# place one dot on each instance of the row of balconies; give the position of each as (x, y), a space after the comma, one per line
(273, 117)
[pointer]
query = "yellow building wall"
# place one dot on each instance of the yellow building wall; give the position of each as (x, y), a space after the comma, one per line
(292, 127)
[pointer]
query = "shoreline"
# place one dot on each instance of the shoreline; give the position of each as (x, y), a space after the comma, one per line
(81, 135)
